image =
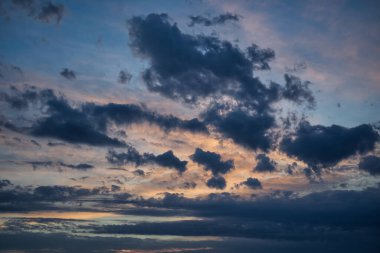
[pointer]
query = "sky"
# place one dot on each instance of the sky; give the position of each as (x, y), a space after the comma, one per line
(189, 126)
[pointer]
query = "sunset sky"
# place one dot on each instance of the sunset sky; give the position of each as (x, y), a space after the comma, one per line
(189, 126)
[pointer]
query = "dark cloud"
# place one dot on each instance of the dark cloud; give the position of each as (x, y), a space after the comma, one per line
(313, 174)
(115, 188)
(44, 11)
(5, 183)
(80, 166)
(212, 162)
(56, 193)
(42, 241)
(139, 172)
(252, 183)
(250, 131)
(321, 146)
(71, 125)
(217, 20)
(298, 91)
(265, 164)
(189, 68)
(38, 241)
(35, 143)
(132, 156)
(332, 208)
(126, 114)
(225, 228)
(124, 77)
(291, 167)
(189, 185)
(8, 125)
(168, 159)
(217, 182)
(371, 164)
(87, 124)
(61, 121)
(68, 74)
(50, 11)
(59, 193)
(192, 67)
(200, 68)
(21, 99)
(326, 217)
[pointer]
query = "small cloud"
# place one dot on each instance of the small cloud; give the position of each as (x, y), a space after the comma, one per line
(252, 183)
(265, 164)
(124, 77)
(217, 20)
(217, 182)
(50, 11)
(68, 74)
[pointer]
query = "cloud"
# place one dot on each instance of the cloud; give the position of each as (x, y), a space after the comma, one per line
(68, 74)
(217, 182)
(187, 68)
(124, 77)
(4, 183)
(252, 183)
(61, 121)
(42, 241)
(298, 91)
(44, 11)
(322, 216)
(139, 172)
(55, 193)
(321, 146)
(212, 162)
(188, 185)
(250, 131)
(200, 69)
(193, 67)
(333, 208)
(70, 125)
(50, 11)
(59, 193)
(35, 143)
(126, 114)
(221, 19)
(132, 156)
(265, 164)
(21, 99)
(371, 164)
(88, 123)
